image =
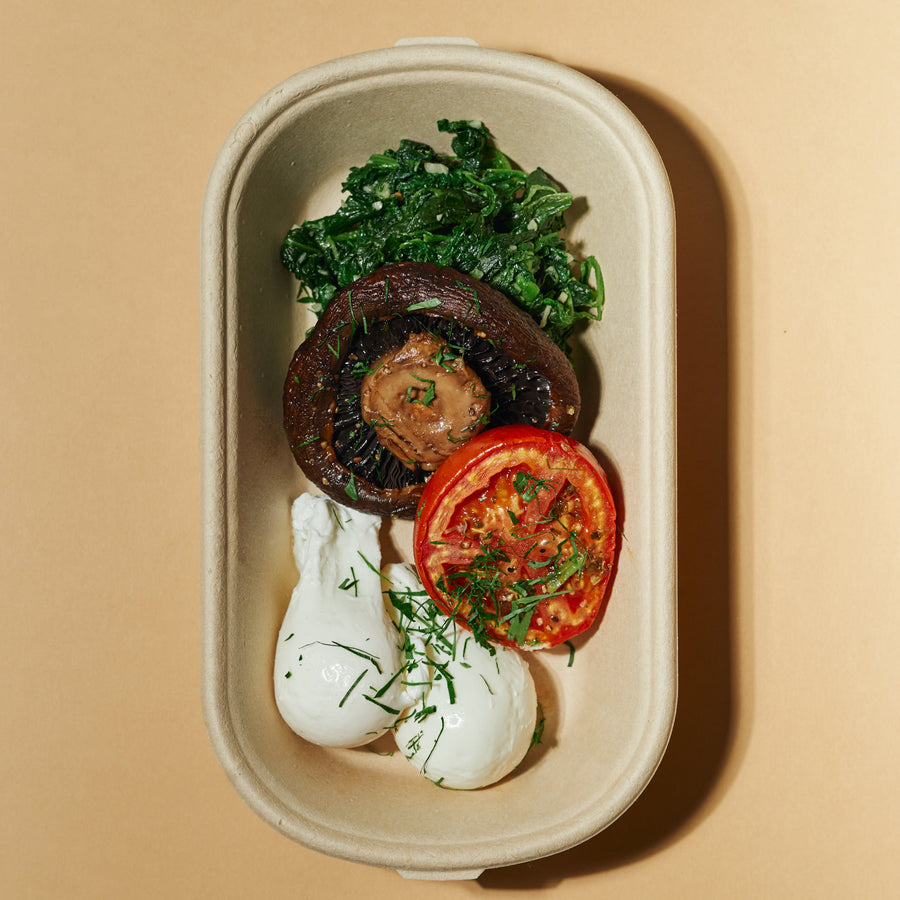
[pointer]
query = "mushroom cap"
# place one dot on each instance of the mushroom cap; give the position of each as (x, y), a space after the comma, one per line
(403, 289)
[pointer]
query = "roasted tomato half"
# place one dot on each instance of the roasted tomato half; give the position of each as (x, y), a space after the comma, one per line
(515, 536)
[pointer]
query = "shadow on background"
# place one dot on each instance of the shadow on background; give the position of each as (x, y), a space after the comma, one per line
(707, 708)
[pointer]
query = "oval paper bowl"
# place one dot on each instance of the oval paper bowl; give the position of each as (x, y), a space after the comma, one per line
(609, 705)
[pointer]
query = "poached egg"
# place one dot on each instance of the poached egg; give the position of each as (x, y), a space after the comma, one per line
(475, 717)
(361, 652)
(337, 659)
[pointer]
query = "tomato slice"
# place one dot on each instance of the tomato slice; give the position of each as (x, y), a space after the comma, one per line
(515, 536)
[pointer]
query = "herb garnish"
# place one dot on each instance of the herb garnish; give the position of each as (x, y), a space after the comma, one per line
(389, 709)
(374, 568)
(350, 583)
(424, 304)
(434, 745)
(360, 369)
(412, 392)
(528, 485)
(502, 583)
(447, 355)
(354, 650)
(350, 690)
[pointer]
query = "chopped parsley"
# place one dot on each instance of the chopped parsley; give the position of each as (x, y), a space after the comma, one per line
(447, 355)
(413, 392)
(528, 485)
(424, 304)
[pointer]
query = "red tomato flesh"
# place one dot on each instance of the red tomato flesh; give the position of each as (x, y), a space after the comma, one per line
(515, 536)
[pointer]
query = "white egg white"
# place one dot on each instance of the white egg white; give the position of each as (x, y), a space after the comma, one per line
(359, 653)
(475, 716)
(337, 660)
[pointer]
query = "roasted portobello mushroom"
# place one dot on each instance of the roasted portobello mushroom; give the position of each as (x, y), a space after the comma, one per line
(405, 364)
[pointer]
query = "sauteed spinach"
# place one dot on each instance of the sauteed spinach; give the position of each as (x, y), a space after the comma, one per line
(473, 211)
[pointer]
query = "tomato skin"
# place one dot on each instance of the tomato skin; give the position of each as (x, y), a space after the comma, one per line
(477, 513)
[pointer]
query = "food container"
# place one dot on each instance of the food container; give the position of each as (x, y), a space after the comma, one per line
(609, 707)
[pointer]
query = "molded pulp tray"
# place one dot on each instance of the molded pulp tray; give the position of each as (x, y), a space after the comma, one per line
(608, 713)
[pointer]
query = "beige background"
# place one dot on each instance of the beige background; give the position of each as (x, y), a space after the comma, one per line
(778, 123)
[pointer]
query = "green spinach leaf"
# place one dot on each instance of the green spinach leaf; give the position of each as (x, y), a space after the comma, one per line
(473, 211)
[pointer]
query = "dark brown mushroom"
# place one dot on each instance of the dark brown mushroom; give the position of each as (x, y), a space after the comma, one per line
(529, 378)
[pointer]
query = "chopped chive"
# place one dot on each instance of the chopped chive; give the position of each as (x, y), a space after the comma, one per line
(350, 583)
(354, 650)
(451, 690)
(384, 688)
(360, 653)
(414, 744)
(390, 709)
(434, 745)
(373, 568)
(424, 713)
(359, 678)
